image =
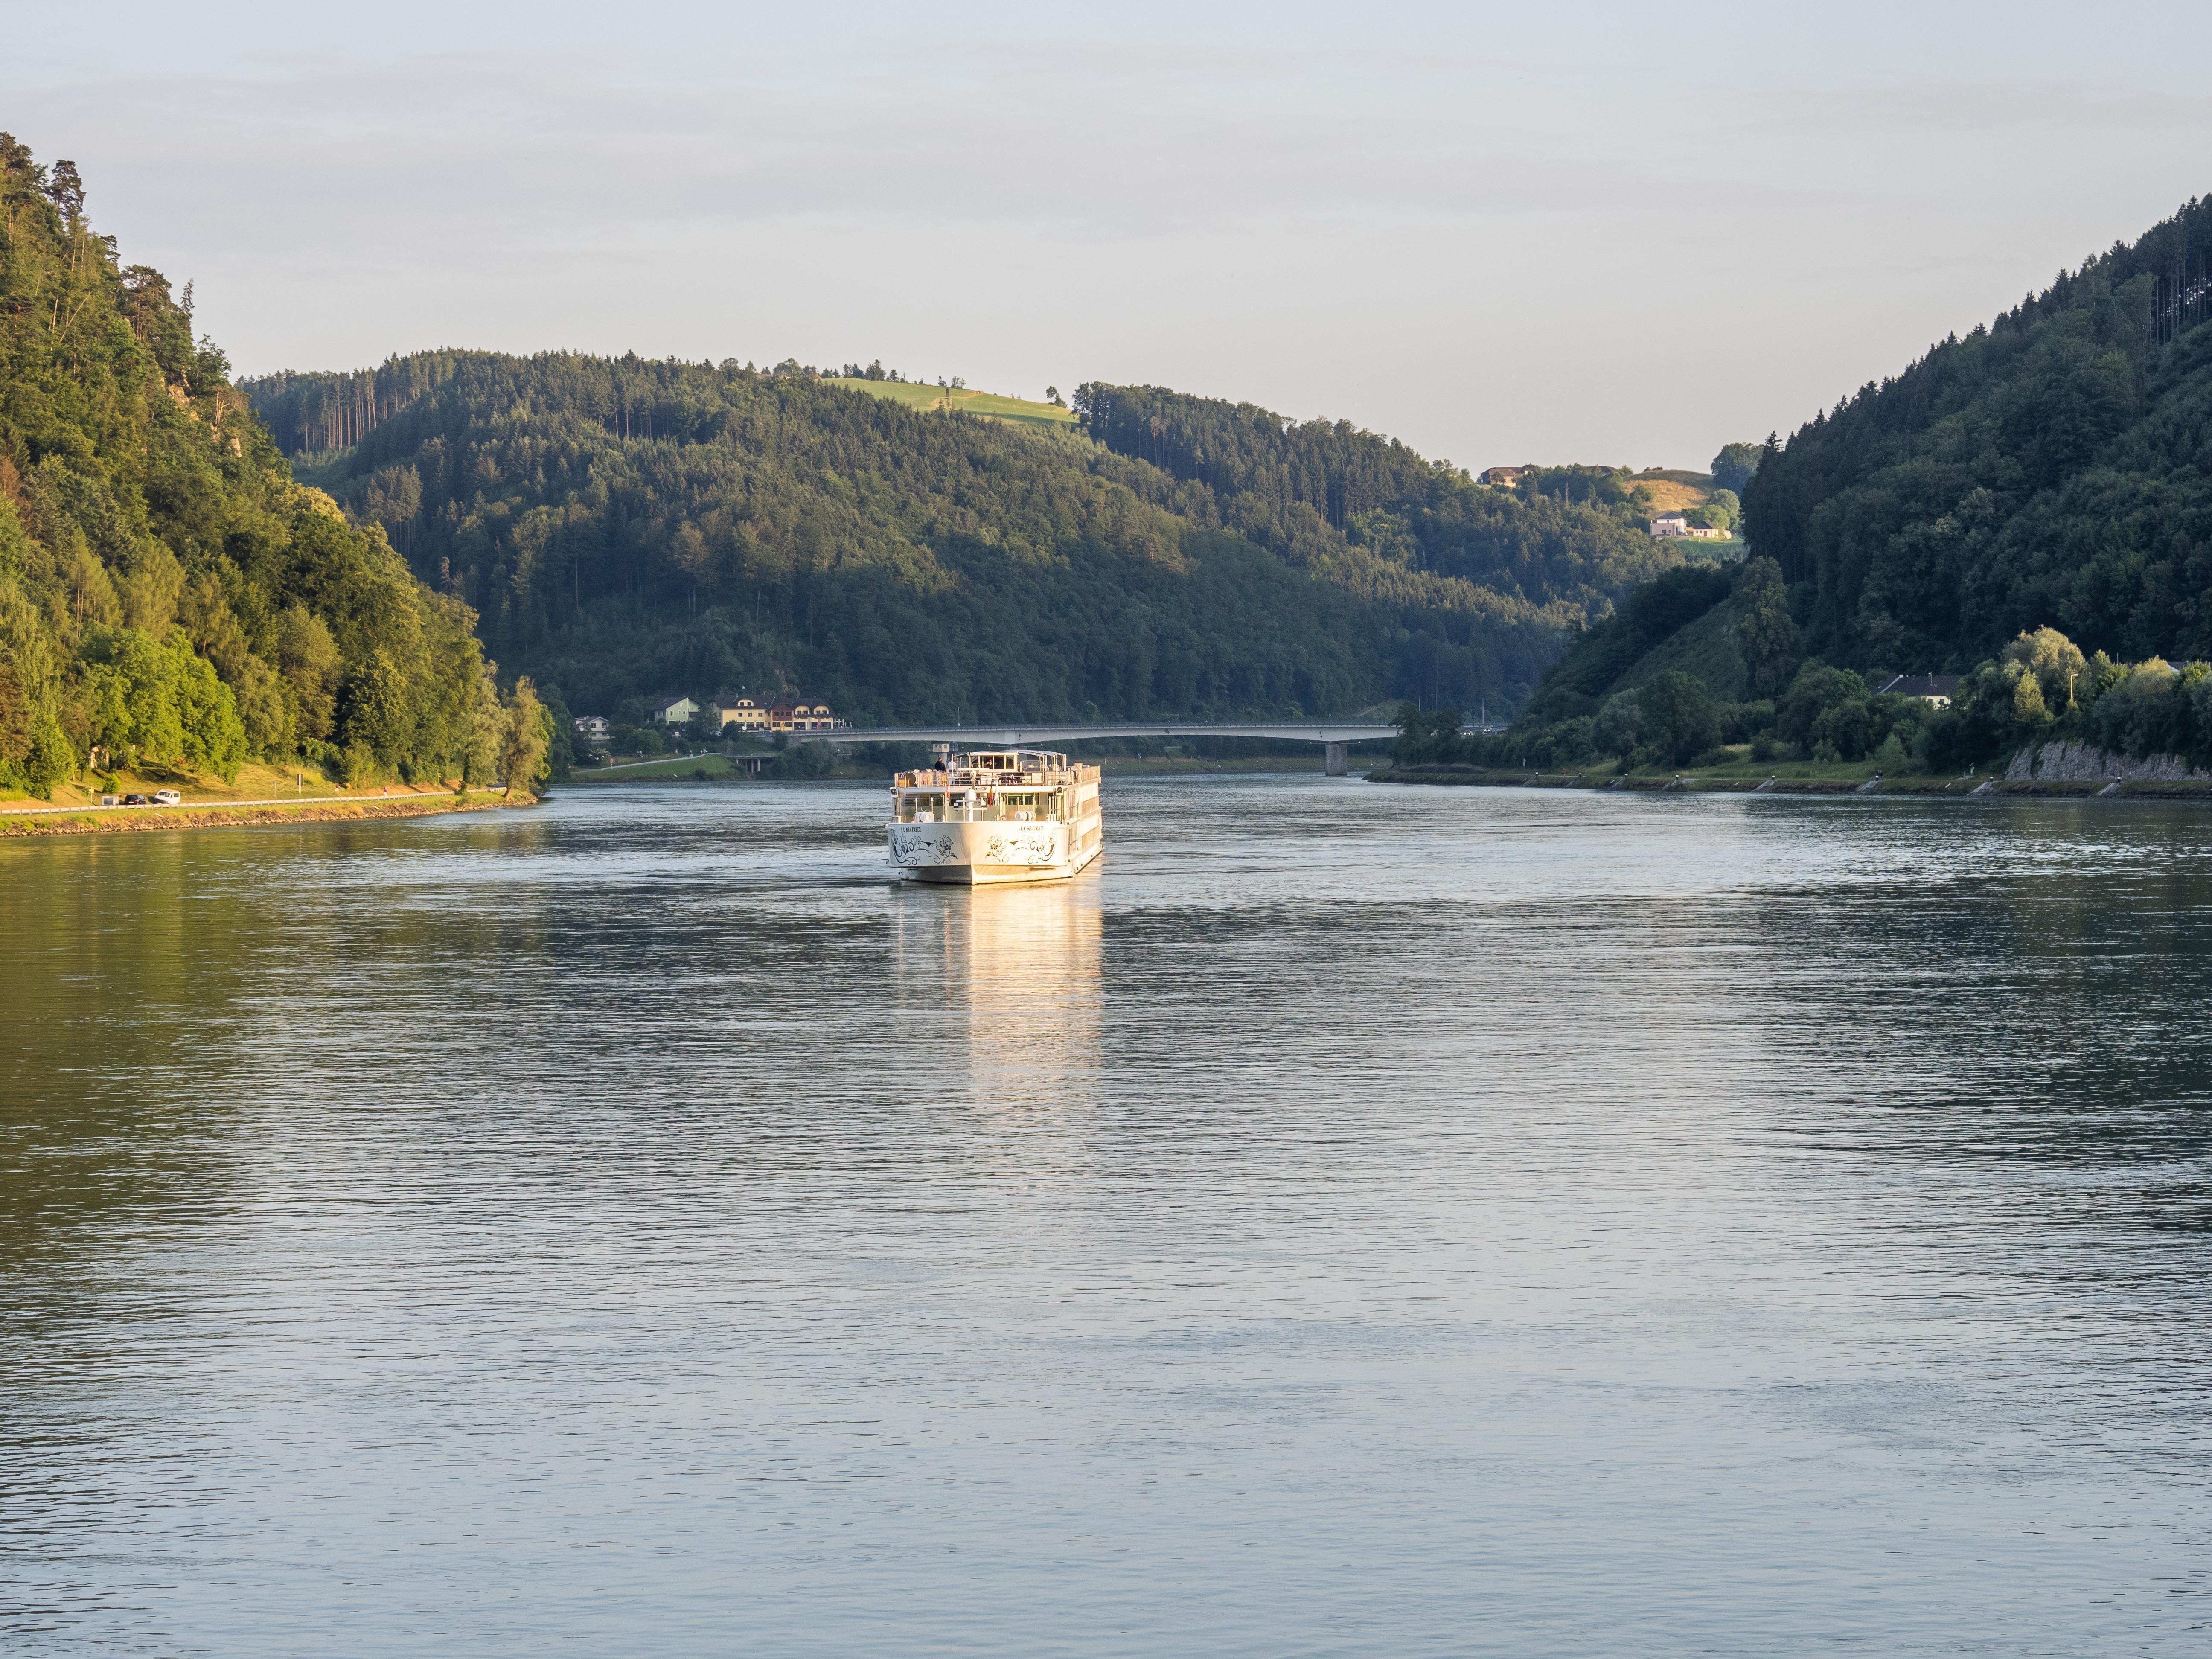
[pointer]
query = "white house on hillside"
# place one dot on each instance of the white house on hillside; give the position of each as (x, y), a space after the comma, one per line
(1937, 689)
(1668, 526)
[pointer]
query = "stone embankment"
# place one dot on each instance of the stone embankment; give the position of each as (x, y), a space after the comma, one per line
(105, 821)
(2082, 762)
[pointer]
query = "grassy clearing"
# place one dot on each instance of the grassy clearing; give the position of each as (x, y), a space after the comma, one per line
(1669, 495)
(966, 399)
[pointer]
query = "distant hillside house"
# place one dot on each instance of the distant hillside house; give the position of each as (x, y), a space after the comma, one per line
(1927, 688)
(800, 716)
(746, 714)
(592, 725)
(674, 711)
(1504, 475)
(1668, 526)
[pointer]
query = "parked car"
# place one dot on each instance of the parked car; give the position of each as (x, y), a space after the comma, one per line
(167, 798)
(111, 800)
(136, 800)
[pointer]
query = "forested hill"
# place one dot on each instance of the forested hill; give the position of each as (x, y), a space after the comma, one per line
(2054, 467)
(628, 527)
(1367, 510)
(169, 595)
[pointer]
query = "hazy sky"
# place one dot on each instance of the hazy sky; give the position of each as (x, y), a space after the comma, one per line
(1599, 233)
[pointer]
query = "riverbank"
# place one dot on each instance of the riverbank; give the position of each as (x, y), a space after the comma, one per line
(20, 822)
(259, 794)
(1826, 780)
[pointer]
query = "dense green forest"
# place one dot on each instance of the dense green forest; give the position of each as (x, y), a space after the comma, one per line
(2029, 508)
(2051, 468)
(627, 528)
(1369, 513)
(169, 597)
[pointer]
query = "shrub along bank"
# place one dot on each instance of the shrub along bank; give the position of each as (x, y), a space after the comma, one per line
(1598, 713)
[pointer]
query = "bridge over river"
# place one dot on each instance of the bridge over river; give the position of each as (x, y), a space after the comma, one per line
(1333, 735)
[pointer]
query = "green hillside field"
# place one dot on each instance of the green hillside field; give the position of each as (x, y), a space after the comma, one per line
(992, 405)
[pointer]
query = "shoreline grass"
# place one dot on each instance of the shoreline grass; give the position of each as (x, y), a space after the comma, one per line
(1793, 778)
(255, 782)
(235, 814)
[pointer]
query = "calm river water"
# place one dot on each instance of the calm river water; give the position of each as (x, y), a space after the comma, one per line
(1354, 1220)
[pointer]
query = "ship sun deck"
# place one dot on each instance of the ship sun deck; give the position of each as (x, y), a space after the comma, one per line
(1018, 786)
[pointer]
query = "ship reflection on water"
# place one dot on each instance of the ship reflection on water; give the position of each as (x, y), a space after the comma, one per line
(1018, 972)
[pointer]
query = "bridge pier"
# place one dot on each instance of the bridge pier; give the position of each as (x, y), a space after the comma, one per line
(1332, 759)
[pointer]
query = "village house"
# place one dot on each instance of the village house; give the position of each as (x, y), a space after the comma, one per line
(674, 711)
(746, 714)
(1504, 475)
(801, 716)
(772, 715)
(592, 725)
(1669, 526)
(1936, 688)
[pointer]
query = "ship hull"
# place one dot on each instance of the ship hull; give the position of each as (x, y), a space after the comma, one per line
(995, 854)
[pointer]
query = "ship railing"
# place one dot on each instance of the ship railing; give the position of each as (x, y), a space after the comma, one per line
(998, 812)
(980, 778)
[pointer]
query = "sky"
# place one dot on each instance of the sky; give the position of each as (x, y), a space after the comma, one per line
(1609, 234)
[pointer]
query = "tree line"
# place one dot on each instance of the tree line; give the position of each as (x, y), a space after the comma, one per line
(1371, 512)
(1601, 705)
(2046, 468)
(169, 597)
(627, 526)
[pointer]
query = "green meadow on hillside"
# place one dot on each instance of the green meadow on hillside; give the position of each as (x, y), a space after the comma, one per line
(965, 399)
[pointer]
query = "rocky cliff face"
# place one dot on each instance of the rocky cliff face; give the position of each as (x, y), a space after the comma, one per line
(2082, 762)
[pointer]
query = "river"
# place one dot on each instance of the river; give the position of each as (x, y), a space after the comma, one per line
(1353, 1220)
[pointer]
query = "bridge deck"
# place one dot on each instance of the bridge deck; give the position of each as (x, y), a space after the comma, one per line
(1015, 736)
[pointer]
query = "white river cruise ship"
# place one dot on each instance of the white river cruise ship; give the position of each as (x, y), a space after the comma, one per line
(995, 816)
